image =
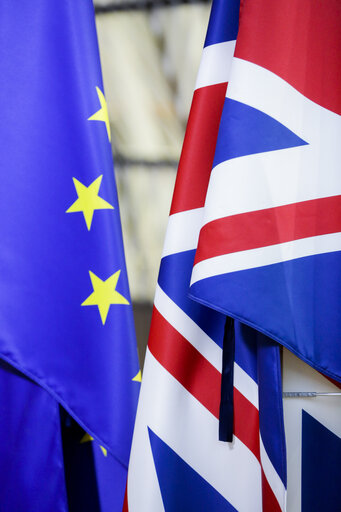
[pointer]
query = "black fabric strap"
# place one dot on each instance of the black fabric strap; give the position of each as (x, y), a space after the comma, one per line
(226, 401)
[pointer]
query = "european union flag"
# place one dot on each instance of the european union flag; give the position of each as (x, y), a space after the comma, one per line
(65, 309)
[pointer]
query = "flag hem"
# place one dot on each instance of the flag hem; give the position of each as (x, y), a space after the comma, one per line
(55, 395)
(267, 333)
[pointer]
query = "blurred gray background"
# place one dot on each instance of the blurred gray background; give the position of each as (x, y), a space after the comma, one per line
(150, 55)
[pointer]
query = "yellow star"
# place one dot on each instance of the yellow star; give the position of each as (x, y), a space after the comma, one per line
(102, 113)
(104, 451)
(86, 438)
(88, 200)
(138, 377)
(104, 294)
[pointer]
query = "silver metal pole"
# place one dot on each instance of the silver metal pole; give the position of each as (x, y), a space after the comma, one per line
(307, 394)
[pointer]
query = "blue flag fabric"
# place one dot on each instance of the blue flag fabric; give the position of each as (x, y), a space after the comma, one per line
(31, 455)
(320, 468)
(111, 480)
(95, 480)
(65, 310)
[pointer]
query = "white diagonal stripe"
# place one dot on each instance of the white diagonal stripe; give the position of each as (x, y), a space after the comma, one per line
(215, 64)
(272, 477)
(245, 385)
(188, 328)
(183, 231)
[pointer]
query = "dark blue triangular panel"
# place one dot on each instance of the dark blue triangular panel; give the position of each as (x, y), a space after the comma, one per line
(244, 130)
(182, 488)
(321, 467)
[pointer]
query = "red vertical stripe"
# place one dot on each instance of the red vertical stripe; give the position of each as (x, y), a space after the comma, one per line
(198, 148)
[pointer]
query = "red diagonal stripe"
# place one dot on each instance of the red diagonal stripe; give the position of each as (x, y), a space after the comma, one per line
(198, 148)
(246, 422)
(201, 379)
(185, 363)
(270, 503)
(269, 227)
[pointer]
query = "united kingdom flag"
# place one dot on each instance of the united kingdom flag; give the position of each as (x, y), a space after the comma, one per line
(269, 248)
(177, 462)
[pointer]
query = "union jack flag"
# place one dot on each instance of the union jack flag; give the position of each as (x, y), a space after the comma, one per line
(269, 248)
(177, 462)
